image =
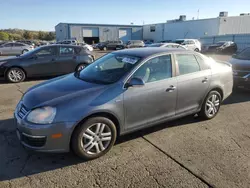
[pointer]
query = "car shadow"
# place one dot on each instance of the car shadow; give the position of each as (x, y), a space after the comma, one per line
(238, 96)
(18, 162)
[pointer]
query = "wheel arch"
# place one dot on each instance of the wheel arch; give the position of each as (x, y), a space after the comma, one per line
(108, 115)
(15, 66)
(216, 88)
(81, 63)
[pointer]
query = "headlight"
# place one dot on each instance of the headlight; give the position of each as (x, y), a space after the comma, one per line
(42, 115)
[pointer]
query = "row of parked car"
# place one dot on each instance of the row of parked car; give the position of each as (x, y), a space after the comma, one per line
(223, 47)
(190, 44)
(21, 47)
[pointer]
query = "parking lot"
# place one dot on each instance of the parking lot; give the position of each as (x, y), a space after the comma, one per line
(182, 153)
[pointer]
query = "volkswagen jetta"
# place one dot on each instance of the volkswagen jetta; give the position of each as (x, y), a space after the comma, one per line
(121, 92)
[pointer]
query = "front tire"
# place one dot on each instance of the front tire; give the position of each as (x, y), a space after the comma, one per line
(15, 75)
(81, 67)
(94, 138)
(211, 105)
(196, 50)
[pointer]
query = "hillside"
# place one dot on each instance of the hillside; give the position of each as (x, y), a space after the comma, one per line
(19, 34)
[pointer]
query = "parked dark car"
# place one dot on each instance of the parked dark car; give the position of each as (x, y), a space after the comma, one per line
(119, 93)
(148, 43)
(112, 45)
(45, 61)
(241, 69)
(223, 47)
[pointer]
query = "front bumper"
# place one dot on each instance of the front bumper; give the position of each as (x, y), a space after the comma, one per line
(2, 71)
(40, 137)
(242, 82)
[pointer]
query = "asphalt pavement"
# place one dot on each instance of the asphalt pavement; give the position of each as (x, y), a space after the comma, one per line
(182, 153)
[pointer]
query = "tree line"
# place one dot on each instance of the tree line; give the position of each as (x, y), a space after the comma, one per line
(19, 34)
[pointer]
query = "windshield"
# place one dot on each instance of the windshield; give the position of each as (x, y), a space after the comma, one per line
(179, 41)
(108, 69)
(155, 45)
(244, 55)
(220, 43)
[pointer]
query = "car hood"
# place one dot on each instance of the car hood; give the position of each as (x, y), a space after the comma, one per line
(58, 90)
(239, 64)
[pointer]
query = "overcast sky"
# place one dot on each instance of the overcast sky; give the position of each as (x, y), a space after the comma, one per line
(45, 14)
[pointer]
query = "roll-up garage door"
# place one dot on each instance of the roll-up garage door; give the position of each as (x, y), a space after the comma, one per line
(125, 34)
(90, 32)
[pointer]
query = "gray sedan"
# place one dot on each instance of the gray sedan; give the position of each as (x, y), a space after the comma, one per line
(14, 48)
(121, 92)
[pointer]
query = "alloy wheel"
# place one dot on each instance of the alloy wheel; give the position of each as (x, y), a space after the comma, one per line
(96, 138)
(212, 105)
(81, 67)
(24, 51)
(15, 75)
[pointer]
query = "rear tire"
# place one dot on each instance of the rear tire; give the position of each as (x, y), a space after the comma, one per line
(196, 50)
(15, 75)
(94, 138)
(24, 51)
(211, 105)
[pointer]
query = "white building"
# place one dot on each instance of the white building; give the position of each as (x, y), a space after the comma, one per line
(94, 33)
(180, 28)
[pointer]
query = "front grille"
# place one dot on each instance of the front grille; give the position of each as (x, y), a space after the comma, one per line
(22, 111)
(33, 141)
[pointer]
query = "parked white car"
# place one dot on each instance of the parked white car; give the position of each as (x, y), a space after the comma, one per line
(86, 46)
(190, 44)
(14, 48)
(168, 45)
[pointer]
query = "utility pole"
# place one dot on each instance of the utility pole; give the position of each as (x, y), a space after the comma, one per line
(198, 14)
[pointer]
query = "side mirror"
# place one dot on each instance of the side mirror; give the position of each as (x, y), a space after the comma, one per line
(135, 82)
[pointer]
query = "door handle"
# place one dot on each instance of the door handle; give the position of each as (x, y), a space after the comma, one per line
(205, 80)
(171, 88)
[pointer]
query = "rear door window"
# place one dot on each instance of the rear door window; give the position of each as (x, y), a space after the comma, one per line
(66, 51)
(18, 44)
(8, 45)
(187, 64)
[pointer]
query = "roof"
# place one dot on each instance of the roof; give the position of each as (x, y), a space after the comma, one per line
(67, 45)
(148, 51)
(105, 25)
